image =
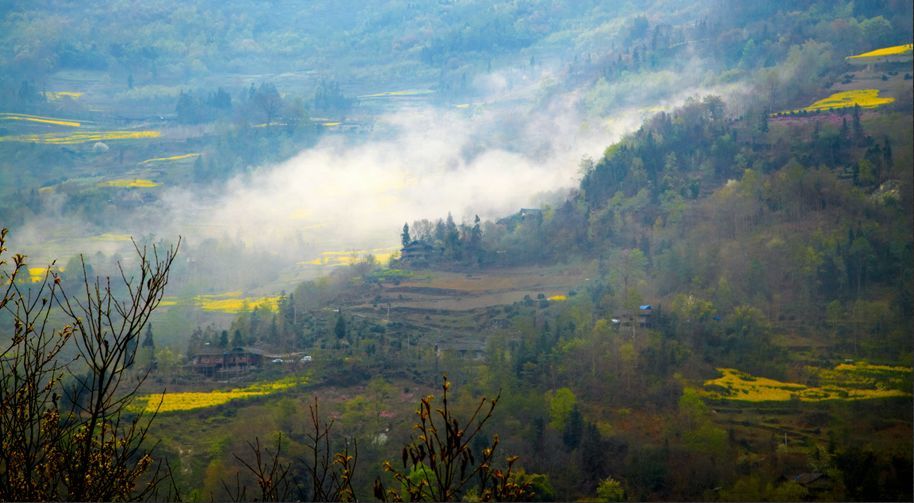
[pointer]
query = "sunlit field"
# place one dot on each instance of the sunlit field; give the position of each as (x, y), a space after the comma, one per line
(136, 183)
(407, 92)
(111, 236)
(39, 119)
(864, 98)
(59, 95)
(234, 302)
(36, 274)
(895, 50)
(858, 381)
(173, 158)
(168, 302)
(80, 137)
(184, 401)
(338, 258)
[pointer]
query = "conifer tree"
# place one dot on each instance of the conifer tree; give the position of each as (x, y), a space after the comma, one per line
(404, 237)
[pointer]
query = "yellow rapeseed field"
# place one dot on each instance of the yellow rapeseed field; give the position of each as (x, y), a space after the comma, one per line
(80, 137)
(408, 92)
(895, 50)
(171, 158)
(39, 119)
(36, 274)
(558, 297)
(865, 98)
(182, 401)
(59, 95)
(234, 302)
(168, 302)
(842, 383)
(338, 258)
(136, 183)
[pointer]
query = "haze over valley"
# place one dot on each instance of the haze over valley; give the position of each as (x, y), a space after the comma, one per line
(673, 238)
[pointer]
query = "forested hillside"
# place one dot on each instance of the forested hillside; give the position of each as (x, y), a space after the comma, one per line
(457, 250)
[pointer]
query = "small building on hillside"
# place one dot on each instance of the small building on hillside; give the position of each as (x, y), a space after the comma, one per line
(219, 362)
(531, 213)
(214, 362)
(208, 361)
(817, 483)
(524, 215)
(417, 252)
(645, 315)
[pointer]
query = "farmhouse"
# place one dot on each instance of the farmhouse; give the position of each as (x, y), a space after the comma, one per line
(417, 252)
(239, 360)
(645, 314)
(212, 362)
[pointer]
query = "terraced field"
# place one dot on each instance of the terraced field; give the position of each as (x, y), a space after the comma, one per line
(456, 291)
(895, 50)
(864, 98)
(185, 401)
(234, 302)
(847, 381)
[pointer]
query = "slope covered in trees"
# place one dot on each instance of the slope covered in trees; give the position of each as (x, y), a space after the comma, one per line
(719, 308)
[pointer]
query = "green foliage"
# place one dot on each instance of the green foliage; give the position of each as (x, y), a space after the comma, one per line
(439, 464)
(561, 404)
(610, 489)
(339, 329)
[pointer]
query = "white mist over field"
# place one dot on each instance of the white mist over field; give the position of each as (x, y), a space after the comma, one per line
(436, 161)
(484, 159)
(520, 146)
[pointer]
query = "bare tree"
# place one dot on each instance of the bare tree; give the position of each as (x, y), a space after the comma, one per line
(330, 472)
(66, 427)
(439, 465)
(272, 476)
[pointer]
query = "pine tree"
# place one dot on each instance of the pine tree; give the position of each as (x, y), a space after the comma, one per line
(340, 328)
(404, 237)
(452, 238)
(887, 154)
(858, 126)
(574, 429)
(147, 339)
